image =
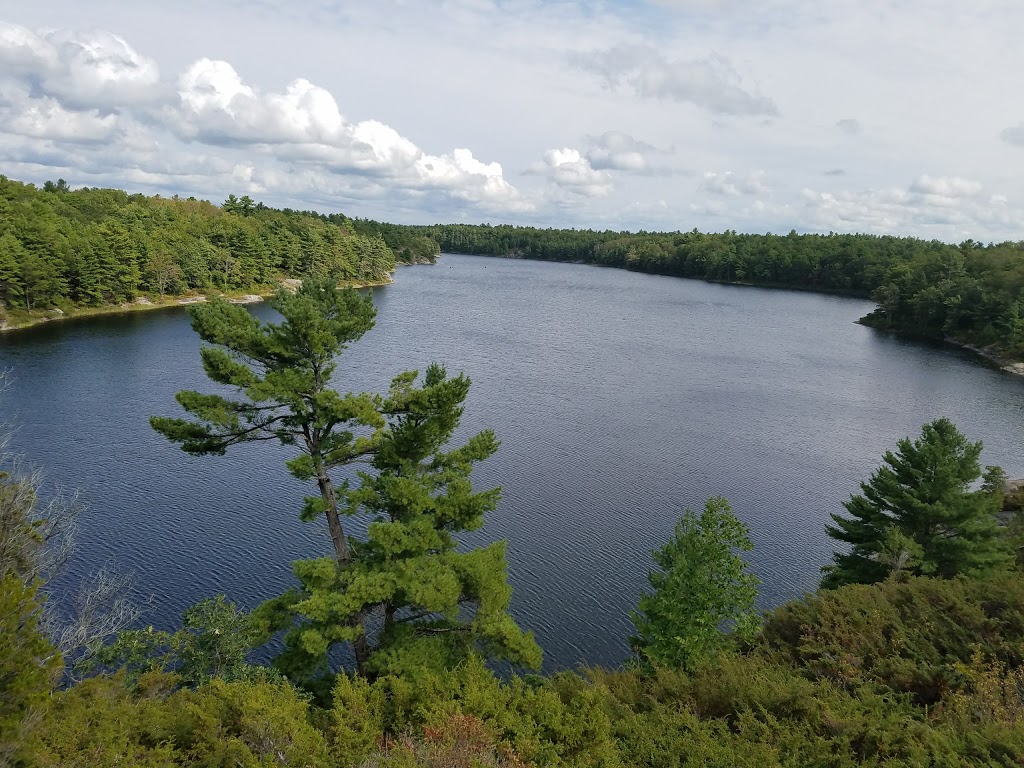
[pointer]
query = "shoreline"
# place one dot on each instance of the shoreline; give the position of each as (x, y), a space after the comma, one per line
(145, 303)
(989, 354)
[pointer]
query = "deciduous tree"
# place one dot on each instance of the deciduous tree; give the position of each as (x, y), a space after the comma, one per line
(703, 588)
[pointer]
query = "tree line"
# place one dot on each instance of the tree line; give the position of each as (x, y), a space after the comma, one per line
(908, 654)
(970, 292)
(96, 247)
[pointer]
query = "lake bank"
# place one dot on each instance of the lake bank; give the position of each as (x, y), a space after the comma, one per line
(146, 303)
(991, 353)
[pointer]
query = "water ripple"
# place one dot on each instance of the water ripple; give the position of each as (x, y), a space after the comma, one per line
(620, 400)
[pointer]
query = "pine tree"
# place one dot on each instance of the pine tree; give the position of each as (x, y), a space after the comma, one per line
(418, 494)
(923, 496)
(430, 604)
(41, 279)
(120, 253)
(12, 254)
(702, 589)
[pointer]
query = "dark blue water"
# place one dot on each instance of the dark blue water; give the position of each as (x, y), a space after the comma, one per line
(620, 399)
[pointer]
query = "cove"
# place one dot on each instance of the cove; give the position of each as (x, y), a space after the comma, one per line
(620, 399)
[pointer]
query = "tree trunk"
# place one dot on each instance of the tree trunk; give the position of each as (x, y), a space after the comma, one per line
(361, 646)
(333, 520)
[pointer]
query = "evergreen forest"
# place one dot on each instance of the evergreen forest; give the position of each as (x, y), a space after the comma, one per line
(62, 249)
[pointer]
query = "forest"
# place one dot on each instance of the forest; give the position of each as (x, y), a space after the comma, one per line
(62, 248)
(396, 647)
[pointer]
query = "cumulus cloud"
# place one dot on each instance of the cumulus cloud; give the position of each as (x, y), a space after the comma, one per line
(618, 151)
(949, 187)
(1013, 135)
(304, 125)
(45, 118)
(569, 170)
(89, 70)
(936, 206)
(710, 82)
(24, 53)
(730, 185)
(68, 89)
(850, 126)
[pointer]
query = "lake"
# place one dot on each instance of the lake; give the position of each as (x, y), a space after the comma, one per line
(620, 399)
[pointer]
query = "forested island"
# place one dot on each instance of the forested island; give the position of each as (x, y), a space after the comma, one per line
(384, 652)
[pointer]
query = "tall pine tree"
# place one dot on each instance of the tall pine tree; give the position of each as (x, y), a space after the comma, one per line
(403, 592)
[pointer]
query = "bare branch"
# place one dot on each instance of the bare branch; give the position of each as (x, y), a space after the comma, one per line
(102, 608)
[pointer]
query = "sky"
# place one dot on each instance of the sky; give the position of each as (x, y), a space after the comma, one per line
(897, 117)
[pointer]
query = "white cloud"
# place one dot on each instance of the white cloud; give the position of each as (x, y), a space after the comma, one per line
(729, 184)
(45, 118)
(569, 170)
(304, 125)
(947, 208)
(945, 187)
(618, 151)
(98, 69)
(69, 90)
(91, 70)
(710, 82)
(23, 52)
(422, 112)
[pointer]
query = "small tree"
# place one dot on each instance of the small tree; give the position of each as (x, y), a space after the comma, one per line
(702, 590)
(920, 513)
(29, 665)
(162, 271)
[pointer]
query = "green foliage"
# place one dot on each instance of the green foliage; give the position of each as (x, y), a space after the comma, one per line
(702, 588)
(908, 636)
(102, 246)
(213, 643)
(920, 672)
(558, 721)
(408, 246)
(247, 723)
(920, 514)
(29, 665)
(437, 605)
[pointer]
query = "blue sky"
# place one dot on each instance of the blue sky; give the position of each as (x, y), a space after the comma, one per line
(885, 116)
